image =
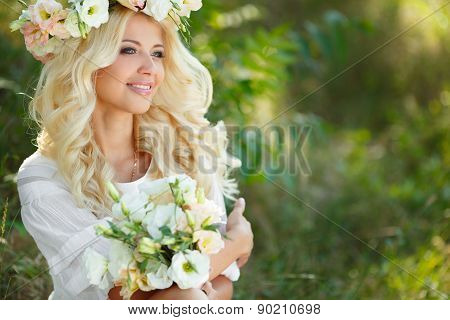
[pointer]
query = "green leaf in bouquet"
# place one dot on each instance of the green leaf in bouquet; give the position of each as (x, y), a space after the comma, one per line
(101, 230)
(174, 247)
(206, 222)
(212, 227)
(164, 259)
(152, 266)
(148, 246)
(190, 219)
(177, 193)
(165, 230)
(167, 240)
(185, 245)
(142, 265)
(181, 233)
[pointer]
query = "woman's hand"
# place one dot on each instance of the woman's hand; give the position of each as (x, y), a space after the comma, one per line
(240, 229)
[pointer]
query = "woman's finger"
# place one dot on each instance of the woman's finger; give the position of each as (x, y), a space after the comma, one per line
(239, 206)
(242, 261)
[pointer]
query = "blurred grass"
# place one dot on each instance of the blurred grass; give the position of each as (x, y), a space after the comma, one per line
(378, 150)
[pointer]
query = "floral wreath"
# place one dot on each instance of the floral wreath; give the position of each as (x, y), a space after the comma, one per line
(47, 22)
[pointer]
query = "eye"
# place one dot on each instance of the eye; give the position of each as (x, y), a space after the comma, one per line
(159, 54)
(128, 50)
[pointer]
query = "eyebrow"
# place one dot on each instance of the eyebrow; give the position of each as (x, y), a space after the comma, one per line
(138, 43)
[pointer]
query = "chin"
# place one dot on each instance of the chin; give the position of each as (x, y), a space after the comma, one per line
(141, 110)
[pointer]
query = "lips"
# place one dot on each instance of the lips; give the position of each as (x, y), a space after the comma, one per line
(143, 88)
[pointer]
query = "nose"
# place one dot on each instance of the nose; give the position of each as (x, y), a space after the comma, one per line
(147, 65)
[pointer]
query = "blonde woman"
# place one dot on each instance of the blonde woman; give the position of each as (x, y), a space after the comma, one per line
(120, 100)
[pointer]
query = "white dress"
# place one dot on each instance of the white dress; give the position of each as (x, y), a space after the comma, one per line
(62, 231)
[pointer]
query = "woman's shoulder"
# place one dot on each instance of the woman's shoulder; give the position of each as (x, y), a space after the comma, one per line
(37, 177)
(35, 162)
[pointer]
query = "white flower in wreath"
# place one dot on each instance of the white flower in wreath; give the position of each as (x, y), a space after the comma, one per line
(94, 12)
(72, 24)
(158, 9)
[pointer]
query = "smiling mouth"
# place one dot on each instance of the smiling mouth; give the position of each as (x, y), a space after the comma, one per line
(140, 88)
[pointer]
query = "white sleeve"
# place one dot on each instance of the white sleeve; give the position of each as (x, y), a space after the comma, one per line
(215, 194)
(62, 232)
(232, 272)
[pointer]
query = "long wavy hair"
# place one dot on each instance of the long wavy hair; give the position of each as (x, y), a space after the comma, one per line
(174, 130)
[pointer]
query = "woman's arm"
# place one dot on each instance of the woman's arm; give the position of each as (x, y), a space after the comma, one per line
(238, 246)
(221, 288)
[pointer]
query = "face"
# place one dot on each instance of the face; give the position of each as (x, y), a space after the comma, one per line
(130, 83)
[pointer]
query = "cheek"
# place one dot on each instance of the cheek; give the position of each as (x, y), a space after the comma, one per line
(111, 81)
(161, 73)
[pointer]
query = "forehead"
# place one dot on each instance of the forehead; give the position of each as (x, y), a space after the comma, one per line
(144, 29)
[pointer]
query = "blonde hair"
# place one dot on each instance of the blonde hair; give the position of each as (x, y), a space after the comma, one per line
(65, 100)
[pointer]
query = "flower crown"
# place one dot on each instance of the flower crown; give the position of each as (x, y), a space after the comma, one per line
(47, 22)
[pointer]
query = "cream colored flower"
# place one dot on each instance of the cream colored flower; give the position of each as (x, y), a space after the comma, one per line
(187, 6)
(208, 242)
(207, 213)
(42, 11)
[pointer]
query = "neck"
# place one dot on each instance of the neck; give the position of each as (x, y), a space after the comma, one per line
(114, 134)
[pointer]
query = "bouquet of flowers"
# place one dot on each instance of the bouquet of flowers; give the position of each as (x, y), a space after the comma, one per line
(161, 235)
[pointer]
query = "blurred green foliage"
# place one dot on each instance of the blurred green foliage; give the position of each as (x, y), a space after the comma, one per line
(371, 219)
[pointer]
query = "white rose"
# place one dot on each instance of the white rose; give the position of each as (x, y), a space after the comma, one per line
(189, 269)
(136, 205)
(160, 279)
(120, 257)
(165, 215)
(97, 268)
(94, 12)
(209, 242)
(158, 9)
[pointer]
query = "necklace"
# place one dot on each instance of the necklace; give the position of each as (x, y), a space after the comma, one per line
(134, 166)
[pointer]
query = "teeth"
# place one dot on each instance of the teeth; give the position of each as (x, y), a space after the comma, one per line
(140, 86)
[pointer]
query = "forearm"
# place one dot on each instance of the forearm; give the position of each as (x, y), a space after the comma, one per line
(221, 260)
(223, 288)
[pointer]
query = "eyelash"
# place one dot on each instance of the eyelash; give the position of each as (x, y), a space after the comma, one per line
(124, 51)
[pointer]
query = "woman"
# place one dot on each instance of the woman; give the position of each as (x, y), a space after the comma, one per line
(125, 104)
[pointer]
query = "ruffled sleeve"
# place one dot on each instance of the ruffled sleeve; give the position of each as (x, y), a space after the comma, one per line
(62, 232)
(215, 194)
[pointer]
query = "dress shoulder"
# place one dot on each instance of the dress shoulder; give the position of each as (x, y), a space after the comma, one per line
(39, 176)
